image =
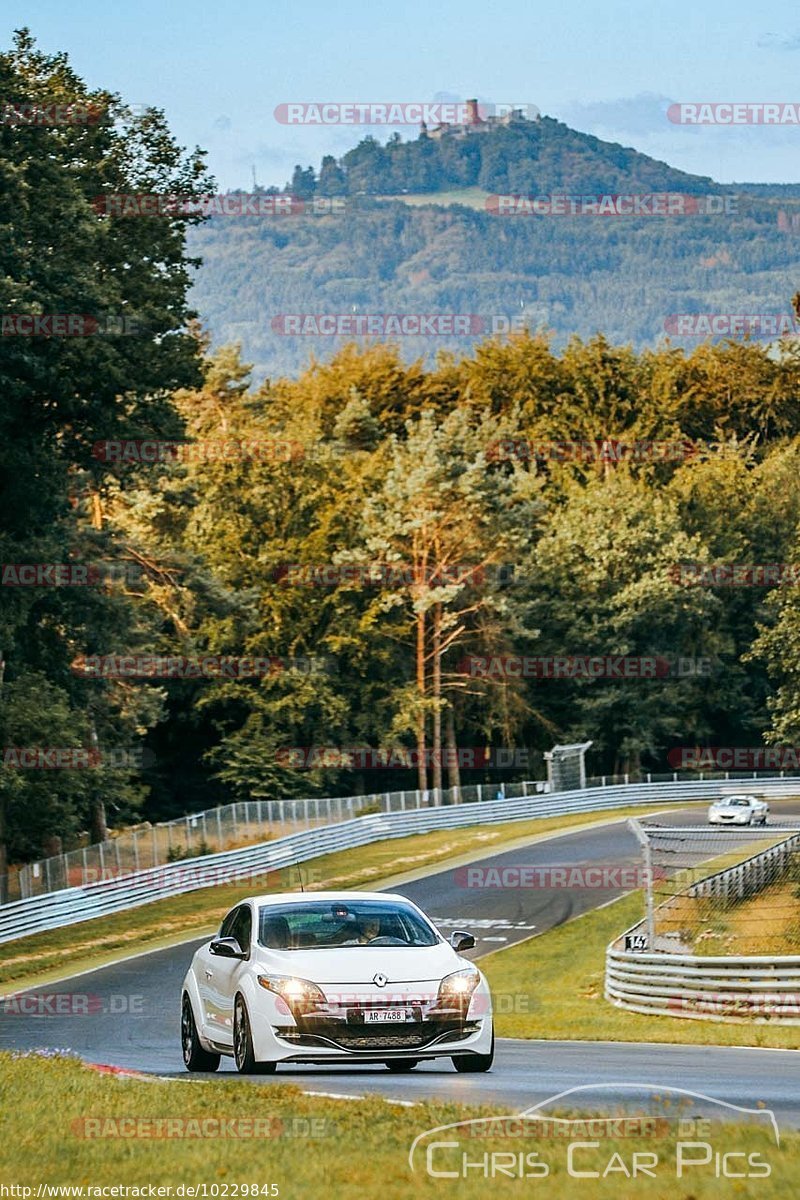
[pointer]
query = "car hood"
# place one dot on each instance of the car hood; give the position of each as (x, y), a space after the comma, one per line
(360, 964)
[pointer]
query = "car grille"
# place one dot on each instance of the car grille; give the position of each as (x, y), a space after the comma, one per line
(358, 1037)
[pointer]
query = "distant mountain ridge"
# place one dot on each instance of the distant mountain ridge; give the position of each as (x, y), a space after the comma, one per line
(520, 155)
(411, 230)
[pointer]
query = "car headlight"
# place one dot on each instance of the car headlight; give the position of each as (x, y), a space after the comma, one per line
(455, 991)
(299, 995)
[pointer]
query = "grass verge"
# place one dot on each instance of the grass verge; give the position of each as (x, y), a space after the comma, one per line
(66, 1125)
(557, 978)
(45, 957)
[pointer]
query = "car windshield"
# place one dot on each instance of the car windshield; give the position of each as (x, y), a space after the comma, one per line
(737, 801)
(325, 924)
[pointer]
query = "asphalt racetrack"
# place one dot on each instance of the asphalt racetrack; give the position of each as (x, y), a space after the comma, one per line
(134, 1005)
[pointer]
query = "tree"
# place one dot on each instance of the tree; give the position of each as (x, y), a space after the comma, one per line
(304, 183)
(331, 180)
(63, 252)
(446, 523)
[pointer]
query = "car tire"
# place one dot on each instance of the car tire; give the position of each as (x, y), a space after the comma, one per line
(243, 1052)
(398, 1065)
(465, 1063)
(195, 1057)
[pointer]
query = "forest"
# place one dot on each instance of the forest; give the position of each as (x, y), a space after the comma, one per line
(222, 585)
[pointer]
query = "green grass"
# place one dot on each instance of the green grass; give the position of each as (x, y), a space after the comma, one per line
(45, 957)
(358, 1149)
(553, 983)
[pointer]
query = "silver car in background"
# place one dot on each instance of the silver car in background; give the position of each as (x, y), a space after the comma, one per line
(743, 809)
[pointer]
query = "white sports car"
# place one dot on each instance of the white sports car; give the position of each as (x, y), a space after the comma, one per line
(334, 977)
(738, 810)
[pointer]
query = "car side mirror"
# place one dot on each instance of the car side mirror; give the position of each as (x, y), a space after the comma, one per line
(460, 940)
(227, 947)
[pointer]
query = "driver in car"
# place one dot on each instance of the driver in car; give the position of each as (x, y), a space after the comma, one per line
(368, 928)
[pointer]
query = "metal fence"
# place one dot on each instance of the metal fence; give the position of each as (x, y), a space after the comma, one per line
(752, 876)
(661, 979)
(144, 846)
(693, 908)
(141, 847)
(250, 864)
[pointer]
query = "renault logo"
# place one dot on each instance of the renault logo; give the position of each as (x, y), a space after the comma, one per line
(380, 980)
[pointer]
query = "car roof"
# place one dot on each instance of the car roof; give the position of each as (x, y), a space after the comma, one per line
(299, 897)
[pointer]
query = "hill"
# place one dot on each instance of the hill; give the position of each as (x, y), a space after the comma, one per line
(414, 228)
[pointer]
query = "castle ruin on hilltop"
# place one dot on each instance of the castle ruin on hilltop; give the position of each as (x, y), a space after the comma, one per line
(476, 122)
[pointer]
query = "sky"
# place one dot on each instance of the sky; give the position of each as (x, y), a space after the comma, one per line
(610, 68)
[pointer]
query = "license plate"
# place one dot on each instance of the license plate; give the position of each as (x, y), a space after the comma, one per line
(387, 1016)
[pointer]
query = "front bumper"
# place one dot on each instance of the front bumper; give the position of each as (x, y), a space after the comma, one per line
(340, 1033)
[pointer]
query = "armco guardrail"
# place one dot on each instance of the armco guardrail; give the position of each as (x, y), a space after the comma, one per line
(251, 821)
(754, 987)
(73, 905)
(712, 987)
(749, 877)
(224, 828)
